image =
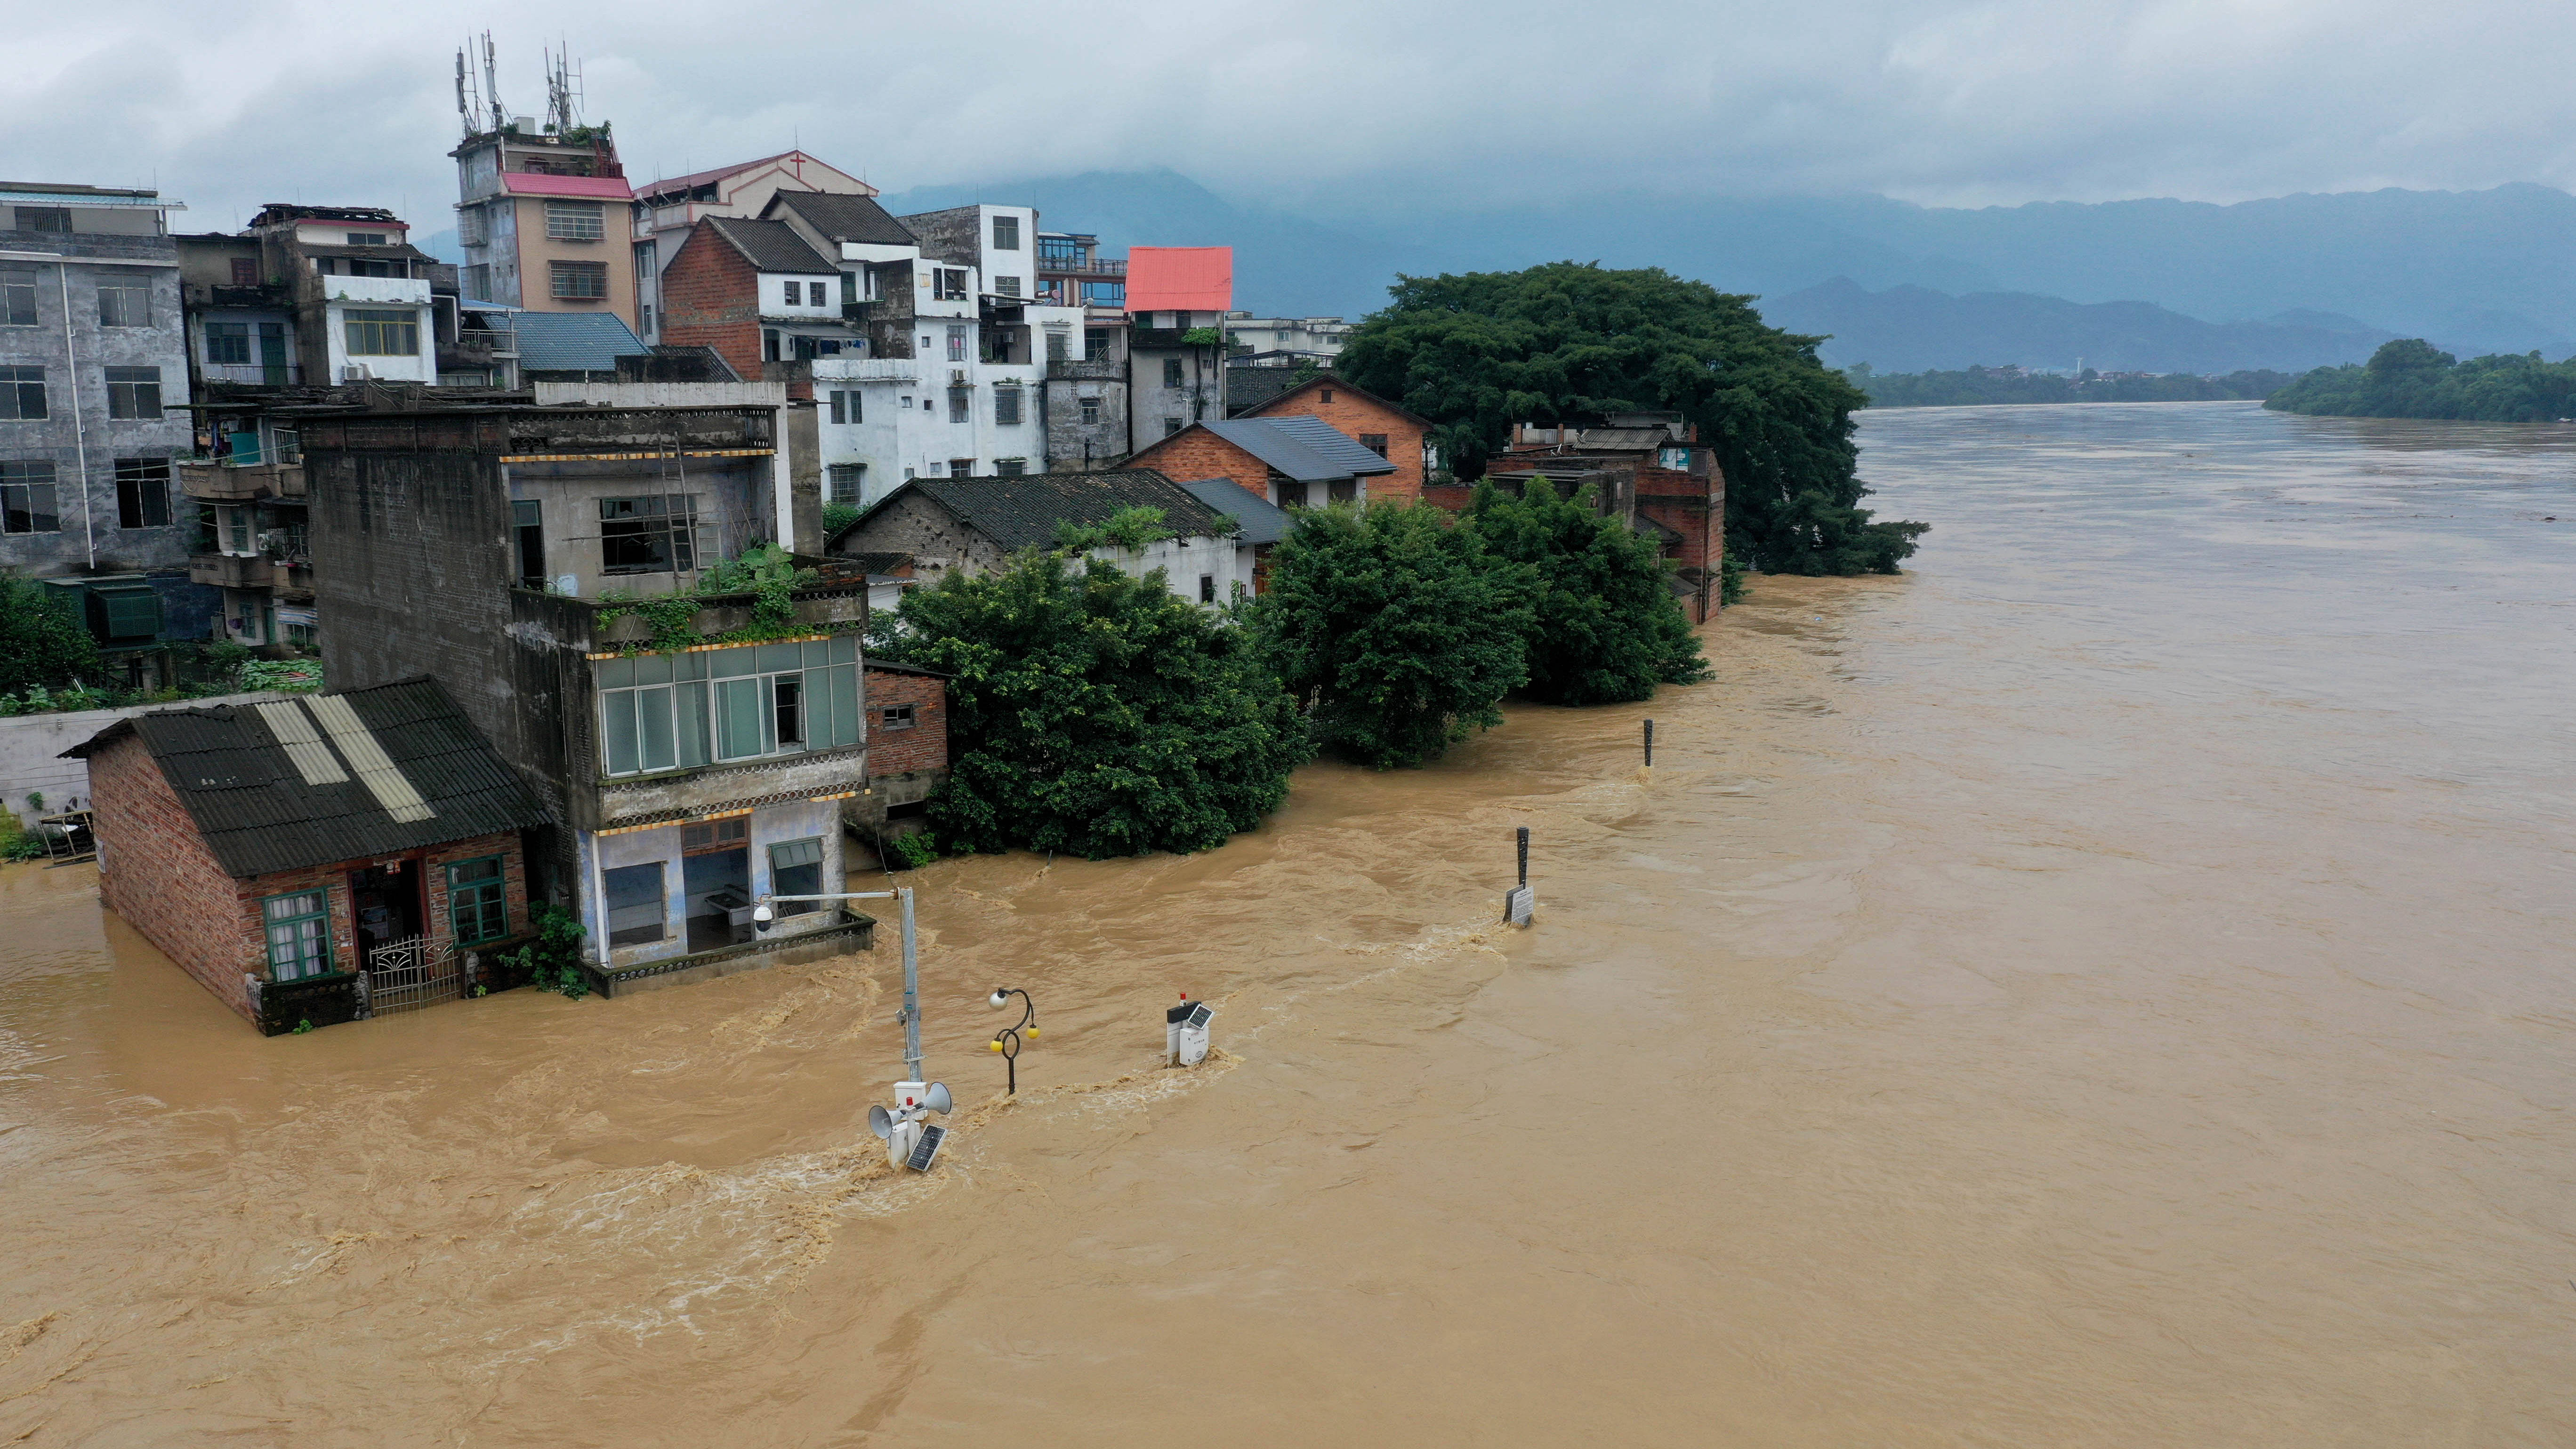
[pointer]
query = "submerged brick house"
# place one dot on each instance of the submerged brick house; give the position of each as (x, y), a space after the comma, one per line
(276, 850)
(1290, 461)
(1398, 436)
(1650, 470)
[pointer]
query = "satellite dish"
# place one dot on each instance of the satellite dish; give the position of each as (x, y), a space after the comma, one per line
(880, 1121)
(937, 1098)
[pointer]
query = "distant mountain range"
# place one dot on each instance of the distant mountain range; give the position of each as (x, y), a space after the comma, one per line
(2477, 271)
(1915, 329)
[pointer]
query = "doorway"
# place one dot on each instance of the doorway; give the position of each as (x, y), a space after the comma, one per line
(385, 904)
(715, 875)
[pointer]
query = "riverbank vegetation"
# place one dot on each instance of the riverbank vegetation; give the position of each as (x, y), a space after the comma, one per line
(1604, 626)
(1572, 342)
(2414, 379)
(1982, 386)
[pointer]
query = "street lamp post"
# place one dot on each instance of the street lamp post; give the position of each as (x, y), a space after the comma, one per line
(1007, 1040)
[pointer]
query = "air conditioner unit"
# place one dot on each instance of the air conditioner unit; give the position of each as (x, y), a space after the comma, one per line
(957, 377)
(355, 372)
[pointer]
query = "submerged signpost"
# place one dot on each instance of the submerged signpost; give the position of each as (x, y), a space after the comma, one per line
(1518, 903)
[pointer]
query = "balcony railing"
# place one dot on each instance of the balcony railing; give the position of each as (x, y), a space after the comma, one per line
(237, 571)
(231, 480)
(1077, 267)
(254, 374)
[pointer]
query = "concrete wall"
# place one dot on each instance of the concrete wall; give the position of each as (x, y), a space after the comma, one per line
(934, 537)
(29, 744)
(89, 540)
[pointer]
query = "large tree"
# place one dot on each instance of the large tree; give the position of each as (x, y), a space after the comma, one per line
(1395, 628)
(1094, 713)
(1604, 625)
(1572, 342)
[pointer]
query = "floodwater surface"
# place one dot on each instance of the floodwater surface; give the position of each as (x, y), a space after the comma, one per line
(2107, 986)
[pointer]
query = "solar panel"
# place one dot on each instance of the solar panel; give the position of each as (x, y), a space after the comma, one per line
(925, 1151)
(1199, 1019)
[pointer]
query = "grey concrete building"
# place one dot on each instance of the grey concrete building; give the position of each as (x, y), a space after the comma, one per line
(512, 552)
(93, 407)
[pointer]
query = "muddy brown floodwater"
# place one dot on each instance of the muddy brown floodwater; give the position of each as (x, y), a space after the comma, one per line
(2108, 986)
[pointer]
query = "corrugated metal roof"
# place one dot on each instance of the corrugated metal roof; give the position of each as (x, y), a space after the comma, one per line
(1180, 279)
(1263, 521)
(259, 813)
(771, 246)
(1625, 440)
(573, 341)
(55, 193)
(1023, 512)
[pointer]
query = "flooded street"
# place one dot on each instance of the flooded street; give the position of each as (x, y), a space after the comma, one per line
(2108, 986)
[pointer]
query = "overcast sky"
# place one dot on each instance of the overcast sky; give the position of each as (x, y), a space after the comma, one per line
(230, 103)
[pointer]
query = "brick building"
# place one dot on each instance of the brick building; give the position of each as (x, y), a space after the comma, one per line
(729, 288)
(276, 851)
(1648, 469)
(907, 750)
(1291, 462)
(1398, 436)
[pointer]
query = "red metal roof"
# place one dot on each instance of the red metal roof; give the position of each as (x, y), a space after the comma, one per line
(532, 183)
(1180, 279)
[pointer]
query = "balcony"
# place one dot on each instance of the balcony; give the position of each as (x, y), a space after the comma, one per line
(237, 571)
(1095, 269)
(253, 374)
(377, 291)
(866, 369)
(1096, 369)
(227, 481)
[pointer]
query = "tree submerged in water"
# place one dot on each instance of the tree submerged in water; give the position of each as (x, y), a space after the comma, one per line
(2411, 378)
(1605, 626)
(1092, 712)
(1571, 343)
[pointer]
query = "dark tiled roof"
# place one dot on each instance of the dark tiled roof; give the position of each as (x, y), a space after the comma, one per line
(1263, 521)
(770, 246)
(847, 218)
(1305, 449)
(878, 563)
(573, 341)
(1247, 388)
(1023, 512)
(259, 813)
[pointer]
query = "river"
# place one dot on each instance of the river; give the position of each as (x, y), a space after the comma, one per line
(2107, 986)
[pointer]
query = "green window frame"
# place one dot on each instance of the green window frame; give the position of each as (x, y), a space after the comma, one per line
(478, 905)
(298, 928)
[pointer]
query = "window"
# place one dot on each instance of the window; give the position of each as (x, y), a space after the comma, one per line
(957, 404)
(948, 285)
(1171, 426)
(1059, 345)
(528, 522)
(680, 711)
(22, 392)
(142, 492)
(17, 297)
(1006, 233)
(1010, 467)
(961, 467)
(895, 717)
(245, 271)
(381, 331)
(845, 406)
(1091, 410)
(579, 281)
(572, 221)
(707, 837)
(1207, 588)
(1374, 442)
(651, 535)
(369, 239)
(1095, 342)
(1323, 394)
(1007, 286)
(227, 343)
(124, 302)
(849, 288)
(957, 344)
(845, 482)
(27, 498)
(232, 530)
(299, 934)
(1006, 405)
(796, 869)
(44, 218)
(1172, 372)
(134, 392)
(478, 908)
(769, 344)
(1292, 495)
(637, 912)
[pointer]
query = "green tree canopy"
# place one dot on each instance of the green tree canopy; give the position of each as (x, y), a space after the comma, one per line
(1094, 713)
(1604, 625)
(2410, 378)
(1395, 627)
(1570, 343)
(42, 639)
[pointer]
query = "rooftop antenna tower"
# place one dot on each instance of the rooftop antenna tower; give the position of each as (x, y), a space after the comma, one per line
(563, 92)
(478, 88)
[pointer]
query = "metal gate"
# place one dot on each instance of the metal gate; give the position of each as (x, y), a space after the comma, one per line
(407, 975)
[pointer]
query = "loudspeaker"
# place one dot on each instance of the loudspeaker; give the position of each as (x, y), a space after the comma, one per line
(881, 1121)
(937, 1098)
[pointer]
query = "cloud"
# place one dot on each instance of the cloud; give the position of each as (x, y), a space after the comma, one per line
(1949, 101)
